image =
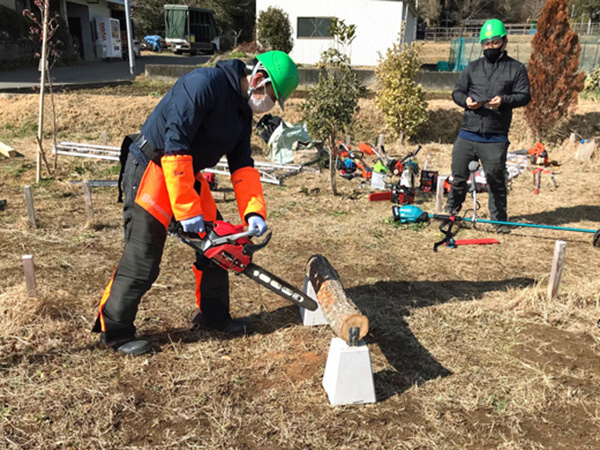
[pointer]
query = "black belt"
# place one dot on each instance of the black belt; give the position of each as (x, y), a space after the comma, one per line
(149, 152)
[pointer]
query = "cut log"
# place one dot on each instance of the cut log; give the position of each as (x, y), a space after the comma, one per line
(339, 310)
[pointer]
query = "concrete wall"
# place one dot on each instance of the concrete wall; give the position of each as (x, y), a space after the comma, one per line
(378, 25)
(437, 81)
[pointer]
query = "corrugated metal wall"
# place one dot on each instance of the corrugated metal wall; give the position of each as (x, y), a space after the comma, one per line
(377, 23)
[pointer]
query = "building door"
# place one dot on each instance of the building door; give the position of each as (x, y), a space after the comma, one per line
(76, 34)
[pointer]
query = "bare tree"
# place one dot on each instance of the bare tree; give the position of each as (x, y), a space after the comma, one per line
(533, 8)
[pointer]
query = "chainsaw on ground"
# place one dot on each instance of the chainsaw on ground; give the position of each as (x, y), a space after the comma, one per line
(230, 247)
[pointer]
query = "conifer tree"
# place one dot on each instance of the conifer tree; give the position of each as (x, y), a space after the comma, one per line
(553, 69)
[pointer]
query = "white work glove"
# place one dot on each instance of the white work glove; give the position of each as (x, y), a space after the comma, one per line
(193, 224)
(255, 221)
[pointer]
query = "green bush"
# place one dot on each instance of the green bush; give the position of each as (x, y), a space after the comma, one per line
(402, 101)
(274, 31)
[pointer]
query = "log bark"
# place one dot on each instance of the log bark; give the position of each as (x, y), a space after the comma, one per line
(339, 310)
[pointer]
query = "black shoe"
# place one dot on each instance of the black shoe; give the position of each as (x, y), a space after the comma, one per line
(452, 210)
(503, 229)
(127, 346)
(236, 327)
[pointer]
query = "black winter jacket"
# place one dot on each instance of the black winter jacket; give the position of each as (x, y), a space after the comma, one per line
(482, 80)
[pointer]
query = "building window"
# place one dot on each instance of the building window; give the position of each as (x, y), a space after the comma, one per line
(314, 27)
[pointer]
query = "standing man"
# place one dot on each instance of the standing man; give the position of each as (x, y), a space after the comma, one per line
(206, 115)
(489, 89)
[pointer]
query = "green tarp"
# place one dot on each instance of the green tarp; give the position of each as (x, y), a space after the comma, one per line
(175, 26)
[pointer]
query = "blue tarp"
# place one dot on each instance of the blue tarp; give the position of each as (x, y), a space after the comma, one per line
(154, 40)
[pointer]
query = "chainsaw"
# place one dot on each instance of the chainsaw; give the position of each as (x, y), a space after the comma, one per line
(230, 247)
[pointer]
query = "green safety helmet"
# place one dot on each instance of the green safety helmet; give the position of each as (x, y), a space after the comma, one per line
(282, 71)
(492, 30)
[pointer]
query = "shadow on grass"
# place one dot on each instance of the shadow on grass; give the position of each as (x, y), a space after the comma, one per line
(263, 323)
(560, 216)
(387, 303)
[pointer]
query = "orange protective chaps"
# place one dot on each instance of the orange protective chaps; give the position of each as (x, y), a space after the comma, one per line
(147, 215)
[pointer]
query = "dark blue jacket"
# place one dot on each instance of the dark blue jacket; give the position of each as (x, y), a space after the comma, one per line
(481, 80)
(205, 115)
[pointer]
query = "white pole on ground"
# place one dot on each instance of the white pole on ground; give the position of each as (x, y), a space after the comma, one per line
(87, 194)
(558, 262)
(439, 195)
(29, 205)
(29, 270)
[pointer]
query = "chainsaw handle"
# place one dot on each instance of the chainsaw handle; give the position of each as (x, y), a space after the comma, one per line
(251, 248)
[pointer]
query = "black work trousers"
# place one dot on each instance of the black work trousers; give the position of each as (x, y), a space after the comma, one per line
(493, 160)
(139, 266)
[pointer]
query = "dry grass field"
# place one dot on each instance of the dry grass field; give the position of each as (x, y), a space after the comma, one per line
(467, 350)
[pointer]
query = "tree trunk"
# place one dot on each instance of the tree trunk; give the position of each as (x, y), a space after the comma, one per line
(332, 166)
(339, 310)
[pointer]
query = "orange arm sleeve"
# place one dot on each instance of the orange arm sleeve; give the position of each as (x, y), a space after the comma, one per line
(248, 193)
(179, 177)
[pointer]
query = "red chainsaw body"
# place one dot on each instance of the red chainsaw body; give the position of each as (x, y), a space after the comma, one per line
(229, 256)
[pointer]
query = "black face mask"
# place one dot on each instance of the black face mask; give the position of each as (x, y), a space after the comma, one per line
(492, 54)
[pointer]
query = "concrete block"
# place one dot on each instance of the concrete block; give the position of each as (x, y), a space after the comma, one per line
(312, 318)
(348, 377)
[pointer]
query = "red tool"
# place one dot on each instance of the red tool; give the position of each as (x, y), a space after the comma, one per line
(474, 241)
(539, 154)
(230, 247)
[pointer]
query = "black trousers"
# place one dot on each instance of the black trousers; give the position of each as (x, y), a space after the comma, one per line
(139, 267)
(493, 160)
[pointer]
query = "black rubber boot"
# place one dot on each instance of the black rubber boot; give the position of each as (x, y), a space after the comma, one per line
(236, 327)
(503, 229)
(127, 346)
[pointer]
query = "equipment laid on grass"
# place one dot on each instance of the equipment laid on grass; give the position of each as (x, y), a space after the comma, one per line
(351, 163)
(414, 214)
(403, 191)
(539, 157)
(229, 246)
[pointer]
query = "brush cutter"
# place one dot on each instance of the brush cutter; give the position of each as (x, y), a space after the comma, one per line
(229, 246)
(414, 214)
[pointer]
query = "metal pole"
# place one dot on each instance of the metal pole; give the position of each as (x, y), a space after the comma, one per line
(43, 65)
(129, 39)
(517, 224)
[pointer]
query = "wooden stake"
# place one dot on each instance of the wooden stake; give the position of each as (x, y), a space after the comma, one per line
(7, 151)
(339, 310)
(30, 208)
(87, 194)
(439, 195)
(558, 263)
(29, 270)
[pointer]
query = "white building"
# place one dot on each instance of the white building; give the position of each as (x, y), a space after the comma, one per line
(378, 24)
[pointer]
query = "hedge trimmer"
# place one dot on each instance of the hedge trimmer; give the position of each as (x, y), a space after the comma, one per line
(414, 214)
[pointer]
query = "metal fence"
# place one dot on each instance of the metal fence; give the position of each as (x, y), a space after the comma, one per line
(446, 34)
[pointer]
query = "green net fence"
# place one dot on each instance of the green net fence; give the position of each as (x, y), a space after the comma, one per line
(466, 49)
